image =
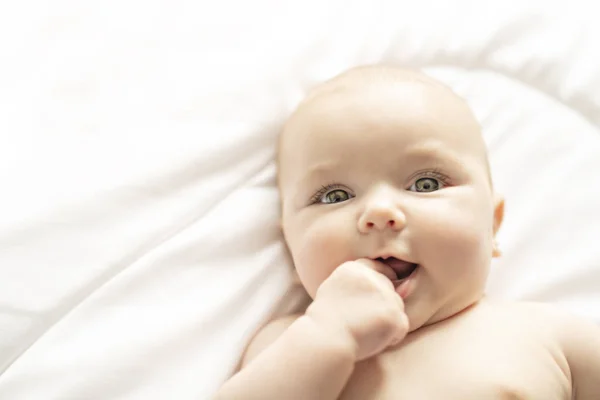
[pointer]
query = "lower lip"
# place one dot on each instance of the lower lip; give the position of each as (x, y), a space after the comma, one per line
(405, 287)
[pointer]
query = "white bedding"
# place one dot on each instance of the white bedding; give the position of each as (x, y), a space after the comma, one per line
(139, 247)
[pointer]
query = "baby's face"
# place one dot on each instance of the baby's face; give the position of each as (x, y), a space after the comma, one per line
(391, 169)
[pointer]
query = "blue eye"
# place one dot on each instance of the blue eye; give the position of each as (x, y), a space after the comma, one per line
(425, 185)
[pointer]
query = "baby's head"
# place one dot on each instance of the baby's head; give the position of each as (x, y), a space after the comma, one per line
(384, 162)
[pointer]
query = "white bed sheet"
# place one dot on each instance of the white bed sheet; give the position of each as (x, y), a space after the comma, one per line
(139, 247)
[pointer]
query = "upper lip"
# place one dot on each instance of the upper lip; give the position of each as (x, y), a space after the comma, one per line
(385, 256)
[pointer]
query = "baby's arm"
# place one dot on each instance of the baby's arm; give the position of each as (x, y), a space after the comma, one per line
(297, 362)
(581, 344)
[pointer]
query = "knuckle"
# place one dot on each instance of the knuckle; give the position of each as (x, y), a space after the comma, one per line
(353, 270)
(389, 315)
(394, 315)
(347, 267)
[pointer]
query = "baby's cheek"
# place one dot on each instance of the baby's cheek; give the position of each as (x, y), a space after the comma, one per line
(323, 247)
(458, 243)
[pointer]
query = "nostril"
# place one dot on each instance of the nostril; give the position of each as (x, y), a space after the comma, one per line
(391, 222)
(370, 224)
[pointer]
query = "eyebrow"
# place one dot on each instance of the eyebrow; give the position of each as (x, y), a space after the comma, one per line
(320, 169)
(433, 151)
(423, 151)
(315, 172)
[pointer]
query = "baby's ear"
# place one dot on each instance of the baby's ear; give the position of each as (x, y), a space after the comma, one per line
(496, 252)
(498, 218)
(498, 212)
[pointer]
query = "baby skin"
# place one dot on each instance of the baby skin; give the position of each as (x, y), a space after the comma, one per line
(390, 215)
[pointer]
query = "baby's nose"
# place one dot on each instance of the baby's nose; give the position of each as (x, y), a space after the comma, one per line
(380, 217)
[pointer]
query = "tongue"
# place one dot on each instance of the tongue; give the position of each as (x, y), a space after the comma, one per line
(402, 268)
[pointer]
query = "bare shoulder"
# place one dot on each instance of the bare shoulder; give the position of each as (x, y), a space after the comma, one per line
(577, 339)
(266, 336)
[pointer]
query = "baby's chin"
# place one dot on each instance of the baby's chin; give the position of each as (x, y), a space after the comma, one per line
(418, 317)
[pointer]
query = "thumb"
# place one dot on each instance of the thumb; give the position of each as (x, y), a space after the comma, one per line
(378, 266)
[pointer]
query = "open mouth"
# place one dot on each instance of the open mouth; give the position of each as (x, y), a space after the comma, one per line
(403, 269)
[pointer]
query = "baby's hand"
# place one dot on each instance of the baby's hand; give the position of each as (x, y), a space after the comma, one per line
(358, 302)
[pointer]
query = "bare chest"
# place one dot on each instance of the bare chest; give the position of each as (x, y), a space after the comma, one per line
(454, 366)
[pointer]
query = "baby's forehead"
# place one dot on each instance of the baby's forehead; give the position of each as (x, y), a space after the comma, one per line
(393, 88)
(375, 90)
(375, 82)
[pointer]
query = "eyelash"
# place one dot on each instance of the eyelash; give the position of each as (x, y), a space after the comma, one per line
(432, 173)
(316, 198)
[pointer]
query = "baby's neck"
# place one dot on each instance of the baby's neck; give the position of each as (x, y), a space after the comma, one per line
(454, 317)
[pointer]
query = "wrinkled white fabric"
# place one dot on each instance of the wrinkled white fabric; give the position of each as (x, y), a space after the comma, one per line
(139, 247)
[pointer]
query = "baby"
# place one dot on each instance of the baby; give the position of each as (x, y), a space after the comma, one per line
(390, 215)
